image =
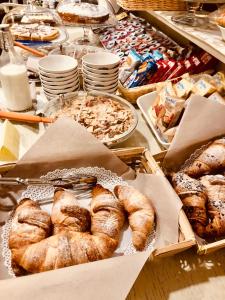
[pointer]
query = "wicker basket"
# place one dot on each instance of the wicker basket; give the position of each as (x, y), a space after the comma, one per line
(132, 94)
(174, 5)
(201, 249)
(141, 160)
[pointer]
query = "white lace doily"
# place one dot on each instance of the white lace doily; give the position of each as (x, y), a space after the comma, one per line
(104, 177)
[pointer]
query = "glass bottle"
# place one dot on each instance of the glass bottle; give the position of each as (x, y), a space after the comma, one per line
(13, 74)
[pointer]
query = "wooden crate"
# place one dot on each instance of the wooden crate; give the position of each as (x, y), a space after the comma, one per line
(201, 249)
(141, 160)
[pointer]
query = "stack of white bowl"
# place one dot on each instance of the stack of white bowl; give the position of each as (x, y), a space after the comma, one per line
(59, 75)
(100, 72)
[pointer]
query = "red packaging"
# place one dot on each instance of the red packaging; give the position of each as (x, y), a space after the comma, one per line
(163, 67)
(207, 61)
(192, 64)
(180, 70)
(172, 66)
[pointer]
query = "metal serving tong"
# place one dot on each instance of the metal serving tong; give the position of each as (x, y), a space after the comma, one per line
(56, 182)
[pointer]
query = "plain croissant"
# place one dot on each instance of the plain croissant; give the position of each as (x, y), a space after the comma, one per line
(215, 188)
(67, 214)
(211, 159)
(194, 198)
(140, 213)
(69, 247)
(107, 213)
(30, 224)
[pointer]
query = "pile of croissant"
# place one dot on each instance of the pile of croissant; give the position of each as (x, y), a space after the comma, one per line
(72, 234)
(201, 187)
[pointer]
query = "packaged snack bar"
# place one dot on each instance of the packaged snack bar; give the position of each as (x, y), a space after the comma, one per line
(169, 134)
(168, 112)
(217, 98)
(203, 87)
(183, 88)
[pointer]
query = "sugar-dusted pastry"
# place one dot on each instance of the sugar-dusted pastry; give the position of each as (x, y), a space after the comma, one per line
(194, 198)
(215, 188)
(70, 247)
(34, 32)
(83, 13)
(67, 214)
(107, 213)
(210, 160)
(30, 224)
(140, 213)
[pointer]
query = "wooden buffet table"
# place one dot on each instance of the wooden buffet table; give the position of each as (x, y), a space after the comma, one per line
(185, 275)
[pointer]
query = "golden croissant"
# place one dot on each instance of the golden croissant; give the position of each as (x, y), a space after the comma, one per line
(30, 224)
(215, 188)
(67, 214)
(194, 198)
(140, 213)
(69, 247)
(210, 160)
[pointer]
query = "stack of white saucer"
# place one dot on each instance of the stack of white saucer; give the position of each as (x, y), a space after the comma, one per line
(100, 72)
(59, 75)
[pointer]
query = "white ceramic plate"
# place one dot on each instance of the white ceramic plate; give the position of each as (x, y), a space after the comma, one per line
(97, 89)
(108, 84)
(58, 83)
(101, 72)
(60, 87)
(57, 64)
(101, 60)
(103, 88)
(99, 77)
(58, 75)
(59, 79)
(62, 91)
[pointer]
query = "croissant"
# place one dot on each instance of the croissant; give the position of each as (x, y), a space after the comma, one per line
(194, 198)
(140, 213)
(107, 213)
(62, 250)
(69, 247)
(211, 159)
(215, 187)
(67, 214)
(30, 224)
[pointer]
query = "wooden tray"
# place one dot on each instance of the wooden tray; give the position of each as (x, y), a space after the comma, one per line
(201, 249)
(141, 160)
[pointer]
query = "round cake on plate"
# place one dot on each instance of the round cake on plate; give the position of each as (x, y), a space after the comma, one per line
(84, 13)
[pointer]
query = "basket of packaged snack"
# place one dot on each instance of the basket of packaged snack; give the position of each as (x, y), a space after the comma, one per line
(163, 109)
(174, 5)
